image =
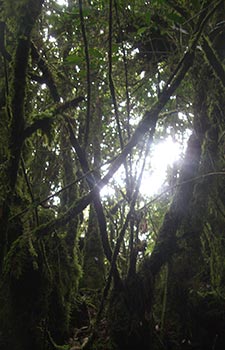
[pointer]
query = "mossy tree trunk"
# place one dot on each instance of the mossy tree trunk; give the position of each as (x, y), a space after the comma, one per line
(39, 275)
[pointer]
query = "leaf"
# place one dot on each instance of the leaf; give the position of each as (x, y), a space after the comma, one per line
(141, 30)
(115, 58)
(148, 18)
(175, 18)
(196, 4)
(82, 73)
(74, 59)
(115, 48)
(95, 53)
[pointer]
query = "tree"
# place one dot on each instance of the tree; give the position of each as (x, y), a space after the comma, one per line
(75, 79)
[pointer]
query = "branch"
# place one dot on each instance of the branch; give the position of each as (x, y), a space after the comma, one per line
(47, 75)
(111, 84)
(133, 255)
(213, 60)
(96, 198)
(66, 187)
(119, 241)
(3, 50)
(69, 104)
(113, 96)
(39, 79)
(125, 71)
(45, 123)
(148, 122)
(178, 9)
(18, 86)
(88, 115)
(64, 218)
(198, 32)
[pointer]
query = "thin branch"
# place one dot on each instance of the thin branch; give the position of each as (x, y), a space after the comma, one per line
(118, 245)
(128, 107)
(57, 193)
(170, 188)
(88, 114)
(111, 83)
(178, 9)
(125, 70)
(113, 96)
(132, 263)
(6, 58)
(96, 199)
(45, 123)
(77, 207)
(198, 14)
(195, 39)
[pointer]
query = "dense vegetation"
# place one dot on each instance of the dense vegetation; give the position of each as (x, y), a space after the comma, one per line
(87, 89)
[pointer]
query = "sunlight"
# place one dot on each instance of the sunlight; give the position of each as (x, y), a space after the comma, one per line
(62, 2)
(164, 154)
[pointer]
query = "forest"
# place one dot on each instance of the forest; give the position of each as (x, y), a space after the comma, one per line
(112, 168)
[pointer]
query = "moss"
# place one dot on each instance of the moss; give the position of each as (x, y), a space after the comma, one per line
(94, 268)
(39, 286)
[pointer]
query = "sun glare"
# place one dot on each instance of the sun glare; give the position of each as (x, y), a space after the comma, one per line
(61, 2)
(164, 154)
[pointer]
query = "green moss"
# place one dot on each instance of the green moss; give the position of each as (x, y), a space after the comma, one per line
(39, 283)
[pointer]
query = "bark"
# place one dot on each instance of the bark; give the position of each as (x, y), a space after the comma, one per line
(15, 108)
